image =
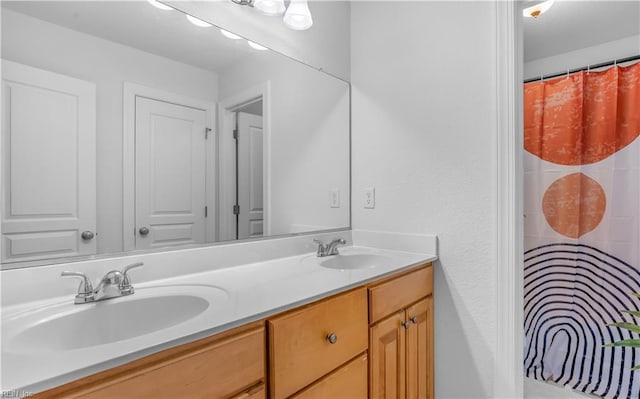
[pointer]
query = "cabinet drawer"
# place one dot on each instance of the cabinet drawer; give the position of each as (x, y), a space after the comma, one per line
(393, 295)
(348, 382)
(218, 370)
(299, 350)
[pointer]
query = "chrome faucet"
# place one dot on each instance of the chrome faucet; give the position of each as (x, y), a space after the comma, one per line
(329, 249)
(114, 284)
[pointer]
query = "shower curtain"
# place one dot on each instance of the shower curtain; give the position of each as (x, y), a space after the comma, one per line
(582, 229)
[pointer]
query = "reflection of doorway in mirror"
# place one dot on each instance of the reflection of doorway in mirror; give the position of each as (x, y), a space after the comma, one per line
(170, 174)
(169, 163)
(243, 168)
(249, 173)
(48, 155)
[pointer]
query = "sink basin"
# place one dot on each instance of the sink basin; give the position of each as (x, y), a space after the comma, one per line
(351, 261)
(64, 327)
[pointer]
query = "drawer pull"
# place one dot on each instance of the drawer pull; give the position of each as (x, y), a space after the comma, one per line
(332, 338)
(405, 324)
(414, 320)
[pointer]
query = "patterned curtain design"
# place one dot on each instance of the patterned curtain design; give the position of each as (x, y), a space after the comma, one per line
(582, 229)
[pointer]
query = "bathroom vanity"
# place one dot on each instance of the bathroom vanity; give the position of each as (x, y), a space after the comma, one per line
(374, 340)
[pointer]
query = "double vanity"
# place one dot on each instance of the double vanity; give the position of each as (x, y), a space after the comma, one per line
(356, 323)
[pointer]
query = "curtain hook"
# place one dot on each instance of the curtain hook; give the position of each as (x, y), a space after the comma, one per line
(588, 69)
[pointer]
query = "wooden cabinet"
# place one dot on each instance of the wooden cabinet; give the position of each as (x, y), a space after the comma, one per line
(348, 382)
(310, 342)
(231, 364)
(401, 344)
(388, 358)
(374, 341)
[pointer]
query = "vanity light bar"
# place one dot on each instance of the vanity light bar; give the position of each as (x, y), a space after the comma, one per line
(203, 24)
(296, 17)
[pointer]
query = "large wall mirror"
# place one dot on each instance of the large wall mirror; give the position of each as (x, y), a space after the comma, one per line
(127, 127)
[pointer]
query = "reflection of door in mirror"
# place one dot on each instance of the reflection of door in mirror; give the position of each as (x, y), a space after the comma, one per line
(249, 174)
(170, 152)
(49, 145)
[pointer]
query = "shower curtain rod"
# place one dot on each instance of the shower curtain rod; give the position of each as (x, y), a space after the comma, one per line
(586, 68)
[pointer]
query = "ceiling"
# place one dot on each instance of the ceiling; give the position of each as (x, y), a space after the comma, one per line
(138, 24)
(570, 25)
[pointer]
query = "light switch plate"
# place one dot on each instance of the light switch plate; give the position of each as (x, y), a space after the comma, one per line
(334, 198)
(369, 198)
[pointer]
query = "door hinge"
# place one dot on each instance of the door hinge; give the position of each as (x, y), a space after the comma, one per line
(236, 209)
(235, 134)
(206, 211)
(206, 133)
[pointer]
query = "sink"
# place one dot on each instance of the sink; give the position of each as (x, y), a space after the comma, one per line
(67, 326)
(352, 261)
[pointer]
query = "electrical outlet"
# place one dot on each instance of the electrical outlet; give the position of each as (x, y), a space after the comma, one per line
(369, 198)
(334, 198)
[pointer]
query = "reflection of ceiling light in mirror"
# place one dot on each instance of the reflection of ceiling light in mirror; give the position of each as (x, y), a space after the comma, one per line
(298, 16)
(256, 46)
(538, 9)
(270, 7)
(230, 35)
(198, 22)
(159, 5)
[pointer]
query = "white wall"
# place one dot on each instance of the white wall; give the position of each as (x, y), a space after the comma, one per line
(309, 140)
(579, 58)
(325, 45)
(47, 46)
(423, 132)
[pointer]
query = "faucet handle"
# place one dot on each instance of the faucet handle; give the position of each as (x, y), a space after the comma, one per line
(85, 289)
(125, 285)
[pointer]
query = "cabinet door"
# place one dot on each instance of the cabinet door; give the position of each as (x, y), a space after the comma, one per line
(420, 349)
(387, 358)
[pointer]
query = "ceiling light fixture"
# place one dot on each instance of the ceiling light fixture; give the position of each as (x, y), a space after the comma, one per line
(270, 7)
(297, 16)
(538, 9)
(159, 5)
(198, 22)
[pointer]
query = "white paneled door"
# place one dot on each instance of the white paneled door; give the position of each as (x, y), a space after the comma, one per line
(170, 162)
(49, 165)
(250, 176)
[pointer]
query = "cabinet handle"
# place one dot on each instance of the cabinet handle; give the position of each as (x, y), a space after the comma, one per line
(332, 338)
(414, 319)
(405, 324)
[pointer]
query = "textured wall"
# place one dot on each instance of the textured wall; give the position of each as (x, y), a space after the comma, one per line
(424, 135)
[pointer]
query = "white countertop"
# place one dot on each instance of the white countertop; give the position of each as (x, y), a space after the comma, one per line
(246, 293)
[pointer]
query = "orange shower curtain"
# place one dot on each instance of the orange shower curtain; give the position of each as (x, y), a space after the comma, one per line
(582, 228)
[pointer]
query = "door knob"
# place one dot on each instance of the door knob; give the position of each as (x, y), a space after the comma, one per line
(143, 231)
(87, 235)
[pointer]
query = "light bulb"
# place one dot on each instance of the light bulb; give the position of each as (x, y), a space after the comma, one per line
(159, 5)
(298, 16)
(538, 9)
(270, 7)
(198, 22)
(230, 35)
(256, 46)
